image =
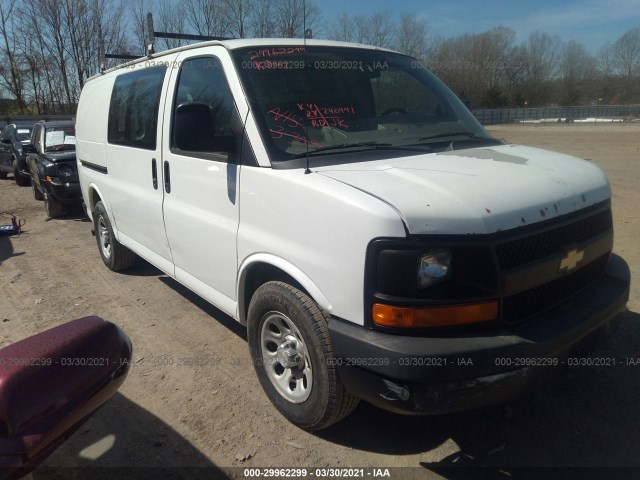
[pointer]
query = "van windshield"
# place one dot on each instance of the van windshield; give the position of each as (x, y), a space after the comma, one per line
(331, 100)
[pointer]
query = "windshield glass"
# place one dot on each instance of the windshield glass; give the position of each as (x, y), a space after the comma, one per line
(23, 134)
(328, 100)
(60, 138)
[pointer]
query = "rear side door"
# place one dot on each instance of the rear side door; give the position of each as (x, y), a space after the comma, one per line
(202, 172)
(134, 165)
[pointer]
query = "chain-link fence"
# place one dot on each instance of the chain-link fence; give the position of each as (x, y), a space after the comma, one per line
(31, 119)
(589, 114)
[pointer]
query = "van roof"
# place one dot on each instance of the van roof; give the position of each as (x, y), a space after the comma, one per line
(248, 43)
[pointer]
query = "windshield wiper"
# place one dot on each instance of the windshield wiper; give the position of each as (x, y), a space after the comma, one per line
(374, 145)
(456, 134)
(343, 145)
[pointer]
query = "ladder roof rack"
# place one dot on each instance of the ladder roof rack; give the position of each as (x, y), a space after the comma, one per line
(150, 50)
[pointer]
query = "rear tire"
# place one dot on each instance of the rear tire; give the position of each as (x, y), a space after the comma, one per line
(53, 207)
(114, 255)
(291, 350)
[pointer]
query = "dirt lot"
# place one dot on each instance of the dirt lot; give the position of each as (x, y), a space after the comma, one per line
(172, 417)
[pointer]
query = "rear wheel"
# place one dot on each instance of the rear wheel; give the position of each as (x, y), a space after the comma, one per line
(53, 207)
(114, 255)
(293, 358)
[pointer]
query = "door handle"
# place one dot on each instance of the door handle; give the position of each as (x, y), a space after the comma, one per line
(154, 173)
(167, 177)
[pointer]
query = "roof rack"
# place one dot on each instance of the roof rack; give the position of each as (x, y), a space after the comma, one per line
(150, 49)
(179, 36)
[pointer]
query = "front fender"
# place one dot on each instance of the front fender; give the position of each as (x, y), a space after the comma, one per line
(287, 267)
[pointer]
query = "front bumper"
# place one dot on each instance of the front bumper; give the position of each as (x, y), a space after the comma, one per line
(468, 369)
(65, 193)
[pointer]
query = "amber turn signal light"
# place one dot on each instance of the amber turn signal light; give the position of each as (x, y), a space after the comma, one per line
(425, 317)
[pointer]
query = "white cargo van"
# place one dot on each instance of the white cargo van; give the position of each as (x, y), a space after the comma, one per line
(346, 207)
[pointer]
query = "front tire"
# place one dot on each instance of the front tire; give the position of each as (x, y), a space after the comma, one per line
(293, 357)
(53, 207)
(20, 180)
(114, 255)
(37, 194)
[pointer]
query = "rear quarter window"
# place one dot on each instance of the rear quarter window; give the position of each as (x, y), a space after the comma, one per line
(133, 110)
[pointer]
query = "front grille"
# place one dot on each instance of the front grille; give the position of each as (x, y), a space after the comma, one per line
(539, 245)
(528, 303)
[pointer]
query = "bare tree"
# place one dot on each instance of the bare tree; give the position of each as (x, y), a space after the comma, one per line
(577, 68)
(476, 66)
(171, 19)
(411, 37)
(138, 10)
(622, 59)
(293, 16)
(10, 73)
(57, 42)
(239, 13)
(208, 17)
(263, 21)
(541, 53)
(342, 28)
(52, 20)
(35, 91)
(30, 34)
(375, 29)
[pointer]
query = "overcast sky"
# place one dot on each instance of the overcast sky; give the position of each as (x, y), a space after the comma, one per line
(590, 22)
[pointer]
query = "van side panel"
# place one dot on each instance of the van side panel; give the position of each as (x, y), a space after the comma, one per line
(134, 151)
(91, 135)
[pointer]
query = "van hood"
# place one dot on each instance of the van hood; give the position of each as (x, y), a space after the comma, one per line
(480, 190)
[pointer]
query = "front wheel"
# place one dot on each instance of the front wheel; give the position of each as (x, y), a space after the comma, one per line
(53, 207)
(114, 255)
(37, 194)
(292, 355)
(20, 180)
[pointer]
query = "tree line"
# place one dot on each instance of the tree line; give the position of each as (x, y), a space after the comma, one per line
(48, 49)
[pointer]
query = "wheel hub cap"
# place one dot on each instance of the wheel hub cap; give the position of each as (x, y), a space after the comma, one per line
(287, 355)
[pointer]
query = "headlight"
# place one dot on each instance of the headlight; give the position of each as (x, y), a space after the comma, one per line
(433, 268)
(65, 170)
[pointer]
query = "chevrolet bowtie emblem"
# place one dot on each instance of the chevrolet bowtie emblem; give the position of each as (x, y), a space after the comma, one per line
(571, 259)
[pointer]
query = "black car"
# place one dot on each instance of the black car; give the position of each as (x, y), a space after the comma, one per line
(51, 158)
(12, 155)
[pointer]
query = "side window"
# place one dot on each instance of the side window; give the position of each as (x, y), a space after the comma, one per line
(202, 109)
(133, 112)
(6, 133)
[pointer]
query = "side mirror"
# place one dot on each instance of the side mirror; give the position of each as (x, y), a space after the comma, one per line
(193, 130)
(29, 148)
(193, 127)
(51, 383)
